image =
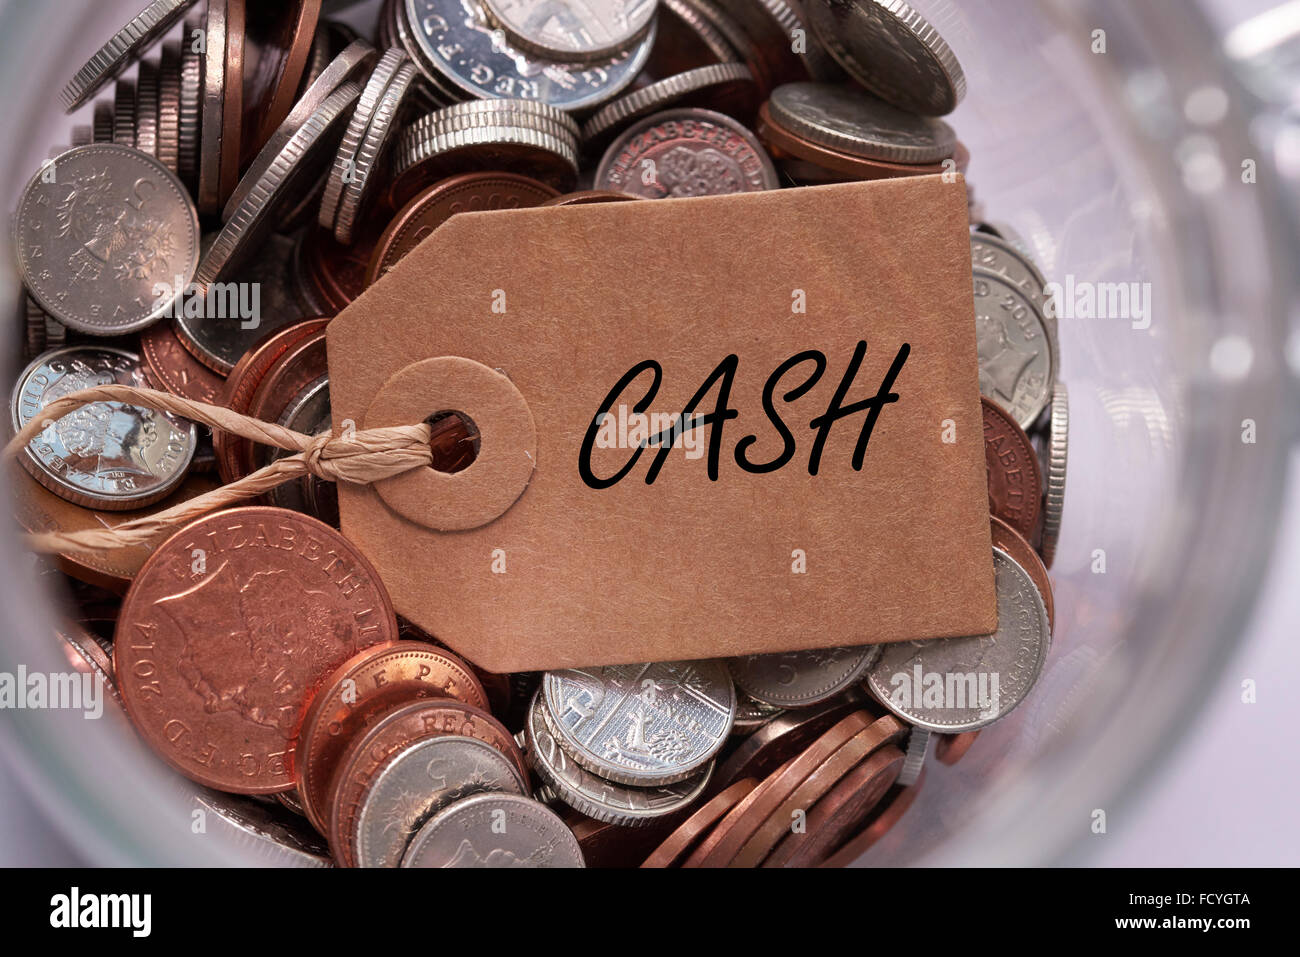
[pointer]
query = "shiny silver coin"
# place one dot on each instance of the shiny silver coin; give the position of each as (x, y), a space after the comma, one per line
(357, 57)
(106, 455)
(1017, 349)
(420, 781)
(1058, 449)
(191, 104)
(800, 679)
(297, 167)
(603, 800)
(463, 51)
(573, 29)
(918, 748)
(146, 108)
(661, 94)
(222, 325)
(643, 724)
(273, 835)
(891, 50)
(494, 830)
(99, 231)
(124, 113)
(993, 252)
(687, 152)
(963, 684)
(121, 49)
(847, 119)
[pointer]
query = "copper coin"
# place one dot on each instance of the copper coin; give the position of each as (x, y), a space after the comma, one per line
(497, 686)
(230, 626)
(368, 684)
(588, 197)
(1015, 482)
(710, 842)
(840, 813)
(951, 748)
(282, 35)
(37, 509)
(608, 845)
(691, 831)
(777, 787)
(781, 141)
(232, 116)
(242, 384)
(172, 366)
(785, 736)
(301, 365)
(391, 732)
(467, 193)
(1014, 544)
(338, 272)
(530, 161)
(892, 810)
(806, 782)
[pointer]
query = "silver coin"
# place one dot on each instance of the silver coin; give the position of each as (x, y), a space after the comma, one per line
(99, 231)
(642, 724)
(918, 747)
(891, 50)
(308, 413)
(146, 108)
(1017, 350)
(124, 113)
(963, 684)
(191, 104)
(272, 834)
(370, 157)
(752, 715)
(992, 252)
(686, 152)
(660, 94)
(597, 797)
(355, 58)
(169, 106)
(106, 455)
(463, 50)
(219, 341)
(573, 29)
(213, 108)
(122, 49)
(494, 830)
(419, 782)
(799, 679)
(1058, 449)
(296, 167)
(104, 120)
(847, 119)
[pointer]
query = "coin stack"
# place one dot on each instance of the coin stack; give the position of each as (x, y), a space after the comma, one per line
(229, 193)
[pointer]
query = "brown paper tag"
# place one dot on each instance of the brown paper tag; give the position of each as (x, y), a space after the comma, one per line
(834, 493)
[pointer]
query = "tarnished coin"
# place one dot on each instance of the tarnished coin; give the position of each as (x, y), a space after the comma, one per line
(417, 783)
(687, 39)
(494, 830)
(471, 192)
(106, 455)
(597, 797)
(797, 679)
(961, 684)
(121, 49)
(643, 724)
(845, 118)
(1022, 553)
(175, 370)
(891, 50)
(573, 29)
(715, 81)
(840, 812)
(691, 831)
(1017, 351)
(370, 683)
(229, 627)
(461, 48)
(1015, 484)
(688, 152)
(588, 197)
(781, 37)
(1058, 449)
(98, 231)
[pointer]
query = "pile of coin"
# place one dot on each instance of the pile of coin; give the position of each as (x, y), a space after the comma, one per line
(229, 194)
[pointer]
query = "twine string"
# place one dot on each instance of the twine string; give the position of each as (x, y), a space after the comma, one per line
(359, 457)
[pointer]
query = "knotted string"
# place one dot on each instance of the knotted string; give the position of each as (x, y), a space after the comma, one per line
(357, 457)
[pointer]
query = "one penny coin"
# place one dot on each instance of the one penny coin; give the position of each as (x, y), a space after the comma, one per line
(1015, 482)
(690, 832)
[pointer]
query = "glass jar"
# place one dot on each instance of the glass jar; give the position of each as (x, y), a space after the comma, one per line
(1111, 137)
